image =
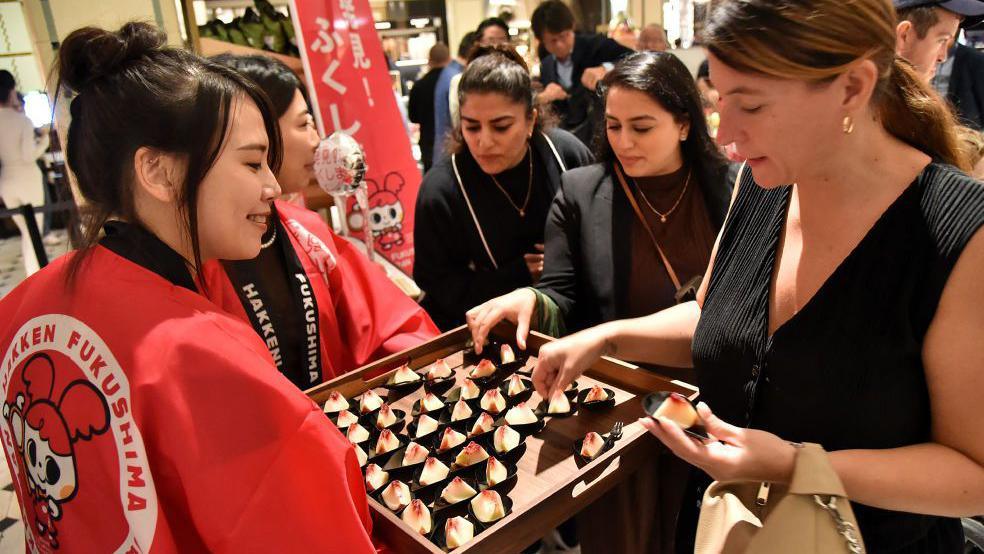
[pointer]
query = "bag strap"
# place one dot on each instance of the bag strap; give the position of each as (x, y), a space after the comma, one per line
(560, 161)
(814, 476)
(645, 225)
(478, 226)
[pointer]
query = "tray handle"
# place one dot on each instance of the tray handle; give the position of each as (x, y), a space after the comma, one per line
(584, 485)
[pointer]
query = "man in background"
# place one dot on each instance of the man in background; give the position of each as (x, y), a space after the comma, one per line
(653, 39)
(575, 64)
(925, 28)
(442, 107)
(960, 79)
(421, 104)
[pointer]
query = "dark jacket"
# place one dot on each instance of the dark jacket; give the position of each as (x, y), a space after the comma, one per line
(577, 110)
(451, 265)
(420, 110)
(588, 244)
(966, 90)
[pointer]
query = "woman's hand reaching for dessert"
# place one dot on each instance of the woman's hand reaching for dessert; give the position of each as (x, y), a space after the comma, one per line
(517, 306)
(561, 361)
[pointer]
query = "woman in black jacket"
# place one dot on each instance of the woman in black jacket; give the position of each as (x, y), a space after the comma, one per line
(481, 211)
(602, 261)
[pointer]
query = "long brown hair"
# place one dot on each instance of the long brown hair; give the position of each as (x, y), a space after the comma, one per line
(664, 78)
(817, 40)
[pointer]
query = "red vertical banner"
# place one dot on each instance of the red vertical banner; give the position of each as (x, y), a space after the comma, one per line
(352, 92)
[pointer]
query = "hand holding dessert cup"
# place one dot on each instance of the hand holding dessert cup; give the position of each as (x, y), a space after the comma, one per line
(732, 453)
(675, 407)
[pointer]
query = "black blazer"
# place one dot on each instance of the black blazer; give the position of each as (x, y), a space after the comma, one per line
(420, 110)
(966, 90)
(588, 250)
(589, 51)
(451, 265)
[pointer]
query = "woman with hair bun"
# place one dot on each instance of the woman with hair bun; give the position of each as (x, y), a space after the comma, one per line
(320, 305)
(138, 416)
(843, 305)
(481, 211)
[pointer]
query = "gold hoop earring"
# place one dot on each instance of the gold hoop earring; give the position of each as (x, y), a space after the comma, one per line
(848, 125)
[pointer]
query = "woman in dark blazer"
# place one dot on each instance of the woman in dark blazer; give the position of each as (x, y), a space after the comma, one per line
(480, 212)
(601, 262)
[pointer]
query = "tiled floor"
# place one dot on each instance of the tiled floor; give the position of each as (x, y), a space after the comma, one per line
(11, 274)
(11, 265)
(11, 529)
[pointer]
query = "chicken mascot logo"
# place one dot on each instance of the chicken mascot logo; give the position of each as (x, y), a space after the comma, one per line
(385, 212)
(46, 427)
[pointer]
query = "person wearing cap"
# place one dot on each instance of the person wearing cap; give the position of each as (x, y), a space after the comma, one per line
(925, 28)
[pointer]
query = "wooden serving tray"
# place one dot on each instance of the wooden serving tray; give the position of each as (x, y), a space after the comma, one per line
(550, 487)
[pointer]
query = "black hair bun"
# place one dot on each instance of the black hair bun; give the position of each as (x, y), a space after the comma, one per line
(89, 54)
(505, 53)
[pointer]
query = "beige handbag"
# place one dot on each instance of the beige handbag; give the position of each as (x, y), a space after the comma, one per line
(811, 515)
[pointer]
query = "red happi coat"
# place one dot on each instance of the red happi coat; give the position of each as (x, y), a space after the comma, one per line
(363, 315)
(139, 417)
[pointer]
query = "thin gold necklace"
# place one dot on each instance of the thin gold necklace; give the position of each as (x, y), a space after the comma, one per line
(662, 216)
(529, 187)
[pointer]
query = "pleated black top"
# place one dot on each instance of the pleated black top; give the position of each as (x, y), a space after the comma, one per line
(846, 370)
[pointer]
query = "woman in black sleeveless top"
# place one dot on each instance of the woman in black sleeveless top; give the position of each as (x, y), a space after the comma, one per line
(845, 309)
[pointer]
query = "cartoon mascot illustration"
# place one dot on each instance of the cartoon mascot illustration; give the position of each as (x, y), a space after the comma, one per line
(385, 211)
(46, 431)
